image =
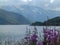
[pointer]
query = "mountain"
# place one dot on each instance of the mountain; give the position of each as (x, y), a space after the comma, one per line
(37, 23)
(7, 17)
(54, 21)
(33, 13)
(51, 22)
(37, 14)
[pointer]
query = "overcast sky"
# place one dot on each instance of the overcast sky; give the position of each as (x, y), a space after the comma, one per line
(46, 4)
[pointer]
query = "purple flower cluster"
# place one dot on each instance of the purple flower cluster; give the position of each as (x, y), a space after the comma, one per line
(51, 35)
(34, 37)
(40, 43)
(27, 36)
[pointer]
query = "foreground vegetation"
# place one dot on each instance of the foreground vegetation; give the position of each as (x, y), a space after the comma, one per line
(50, 37)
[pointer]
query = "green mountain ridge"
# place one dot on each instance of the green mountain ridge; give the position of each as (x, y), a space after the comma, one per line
(7, 17)
(50, 22)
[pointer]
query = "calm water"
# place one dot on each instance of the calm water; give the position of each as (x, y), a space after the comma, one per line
(17, 32)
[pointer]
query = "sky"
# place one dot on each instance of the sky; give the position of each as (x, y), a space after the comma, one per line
(46, 4)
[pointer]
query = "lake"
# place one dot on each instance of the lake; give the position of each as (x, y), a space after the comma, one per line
(17, 32)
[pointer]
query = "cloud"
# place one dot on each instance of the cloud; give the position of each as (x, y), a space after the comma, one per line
(4, 0)
(56, 9)
(15, 3)
(52, 1)
(46, 4)
(10, 3)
